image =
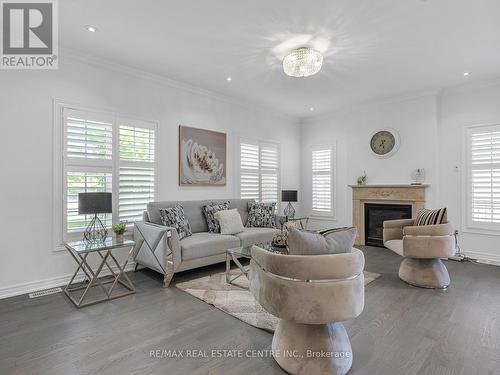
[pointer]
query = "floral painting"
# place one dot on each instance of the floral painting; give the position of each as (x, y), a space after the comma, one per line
(202, 157)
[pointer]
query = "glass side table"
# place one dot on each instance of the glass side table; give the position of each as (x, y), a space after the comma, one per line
(80, 251)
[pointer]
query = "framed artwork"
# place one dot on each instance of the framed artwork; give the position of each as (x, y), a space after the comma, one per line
(202, 157)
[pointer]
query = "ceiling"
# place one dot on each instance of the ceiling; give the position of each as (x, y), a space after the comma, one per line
(372, 48)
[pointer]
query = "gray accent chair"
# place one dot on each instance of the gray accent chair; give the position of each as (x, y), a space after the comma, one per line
(158, 247)
(422, 248)
(311, 294)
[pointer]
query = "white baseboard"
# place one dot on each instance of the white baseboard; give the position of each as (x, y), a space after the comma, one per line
(486, 258)
(32, 286)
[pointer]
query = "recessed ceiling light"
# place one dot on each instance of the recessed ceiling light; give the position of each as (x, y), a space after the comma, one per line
(466, 74)
(91, 28)
(311, 109)
(229, 79)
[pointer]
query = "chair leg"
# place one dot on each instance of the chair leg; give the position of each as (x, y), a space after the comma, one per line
(424, 273)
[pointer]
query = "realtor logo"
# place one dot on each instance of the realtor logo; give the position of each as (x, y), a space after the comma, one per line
(29, 37)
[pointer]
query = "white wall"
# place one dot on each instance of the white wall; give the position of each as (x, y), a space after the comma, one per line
(431, 129)
(351, 130)
(26, 166)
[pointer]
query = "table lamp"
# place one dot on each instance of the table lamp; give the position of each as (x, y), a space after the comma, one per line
(289, 196)
(94, 204)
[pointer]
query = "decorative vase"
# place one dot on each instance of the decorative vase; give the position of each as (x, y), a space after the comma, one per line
(119, 238)
(418, 176)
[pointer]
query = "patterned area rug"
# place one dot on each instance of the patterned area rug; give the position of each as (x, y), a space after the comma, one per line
(235, 299)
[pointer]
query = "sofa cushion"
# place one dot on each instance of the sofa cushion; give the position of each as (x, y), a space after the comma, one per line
(174, 217)
(252, 236)
(229, 221)
(210, 210)
(205, 244)
(261, 215)
(396, 246)
(431, 217)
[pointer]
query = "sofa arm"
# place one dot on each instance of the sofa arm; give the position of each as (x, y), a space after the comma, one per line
(157, 247)
(393, 229)
(429, 230)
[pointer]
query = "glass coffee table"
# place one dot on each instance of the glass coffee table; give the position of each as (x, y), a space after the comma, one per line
(235, 254)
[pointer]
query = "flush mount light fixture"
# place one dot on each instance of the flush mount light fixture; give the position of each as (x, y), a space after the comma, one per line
(302, 62)
(229, 79)
(466, 74)
(91, 28)
(311, 109)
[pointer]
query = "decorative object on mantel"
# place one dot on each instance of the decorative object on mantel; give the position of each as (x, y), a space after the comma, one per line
(94, 204)
(119, 230)
(362, 179)
(418, 176)
(289, 196)
(202, 157)
(385, 143)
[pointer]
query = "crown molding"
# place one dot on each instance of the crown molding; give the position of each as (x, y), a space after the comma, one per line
(75, 55)
(382, 100)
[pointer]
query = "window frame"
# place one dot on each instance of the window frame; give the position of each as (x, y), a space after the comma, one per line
(259, 142)
(330, 215)
(468, 225)
(61, 167)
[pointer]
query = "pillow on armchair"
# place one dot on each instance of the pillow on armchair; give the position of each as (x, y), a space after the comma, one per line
(333, 241)
(431, 217)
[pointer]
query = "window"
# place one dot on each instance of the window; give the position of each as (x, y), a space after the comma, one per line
(106, 153)
(483, 177)
(322, 161)
(259, 170)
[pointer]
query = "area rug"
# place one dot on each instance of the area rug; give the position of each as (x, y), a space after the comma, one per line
(235, 299)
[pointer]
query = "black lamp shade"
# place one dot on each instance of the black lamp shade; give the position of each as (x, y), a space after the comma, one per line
(94, 203)
(289, 195)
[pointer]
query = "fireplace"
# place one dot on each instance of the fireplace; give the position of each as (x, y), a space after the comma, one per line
(376, 214)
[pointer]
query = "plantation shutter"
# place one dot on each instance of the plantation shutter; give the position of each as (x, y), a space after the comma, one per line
(484, 176)
(259, 171)
(322, 186)
(137, 171)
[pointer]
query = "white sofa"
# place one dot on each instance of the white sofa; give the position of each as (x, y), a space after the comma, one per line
(158, 247)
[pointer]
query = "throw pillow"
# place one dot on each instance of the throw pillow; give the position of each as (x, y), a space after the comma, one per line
(261, 215)
(209, 210)
(230, 221)
(431, 217)
(174, 217)
(335, 241)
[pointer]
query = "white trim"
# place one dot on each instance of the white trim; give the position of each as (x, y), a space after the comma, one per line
(58, 156)
(482, 257)
(32, 286)
(466, 223)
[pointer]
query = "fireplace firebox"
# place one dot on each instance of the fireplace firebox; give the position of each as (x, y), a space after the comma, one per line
(376, 214)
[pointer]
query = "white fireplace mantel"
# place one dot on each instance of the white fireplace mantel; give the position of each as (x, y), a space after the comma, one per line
(413, 195)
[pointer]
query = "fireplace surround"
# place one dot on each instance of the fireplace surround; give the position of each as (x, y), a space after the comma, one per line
(402, 194)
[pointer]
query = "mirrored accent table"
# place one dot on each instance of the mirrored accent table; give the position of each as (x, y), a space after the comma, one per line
(96, 287)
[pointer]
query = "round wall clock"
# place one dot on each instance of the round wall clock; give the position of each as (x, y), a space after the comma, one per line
(385, 143)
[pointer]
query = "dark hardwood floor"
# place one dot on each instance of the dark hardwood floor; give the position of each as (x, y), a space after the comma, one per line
(403, 330)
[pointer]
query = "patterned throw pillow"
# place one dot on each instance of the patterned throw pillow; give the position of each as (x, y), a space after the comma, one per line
(174, 217)
(431, 217)
(209, 210)
(261, 215)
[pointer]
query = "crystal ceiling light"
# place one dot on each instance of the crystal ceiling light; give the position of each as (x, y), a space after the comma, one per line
(302, 62)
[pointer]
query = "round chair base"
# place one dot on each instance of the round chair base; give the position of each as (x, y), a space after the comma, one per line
(312, 348)
(424, 273)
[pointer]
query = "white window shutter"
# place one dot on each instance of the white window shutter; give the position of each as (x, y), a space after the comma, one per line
(259, 171)
(322, 180)
(484, 177)
(137, 171)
